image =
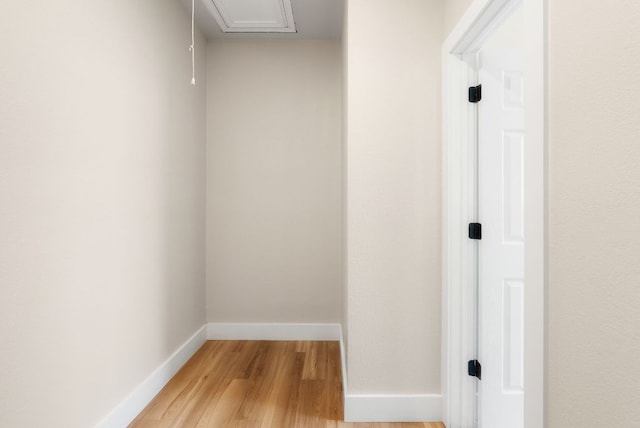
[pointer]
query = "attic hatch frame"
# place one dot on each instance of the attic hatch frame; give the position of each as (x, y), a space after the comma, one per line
(228, 25)
(458, 328)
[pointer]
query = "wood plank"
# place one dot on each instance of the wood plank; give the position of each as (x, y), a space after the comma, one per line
(253, 384)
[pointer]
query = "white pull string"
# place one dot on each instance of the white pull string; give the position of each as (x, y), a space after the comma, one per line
(192, 48)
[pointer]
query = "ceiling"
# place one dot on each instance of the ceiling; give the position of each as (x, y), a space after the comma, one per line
(314, 19)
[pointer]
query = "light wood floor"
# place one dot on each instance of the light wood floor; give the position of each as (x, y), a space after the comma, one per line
(256, 384)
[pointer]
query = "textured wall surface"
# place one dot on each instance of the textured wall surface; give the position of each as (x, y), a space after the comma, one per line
(345, 127)
(274, 245)
(102, 143)
(393, 171)
(594, 214)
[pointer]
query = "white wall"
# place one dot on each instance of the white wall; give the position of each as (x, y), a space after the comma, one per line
(102, 144)
(453, 11)
(345, 128)
(393, 162)
(594, 214)
(274, 197)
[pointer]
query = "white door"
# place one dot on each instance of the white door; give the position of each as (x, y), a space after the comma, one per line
(501, 140)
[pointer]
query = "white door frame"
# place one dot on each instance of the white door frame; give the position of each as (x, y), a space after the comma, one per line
(458, 305)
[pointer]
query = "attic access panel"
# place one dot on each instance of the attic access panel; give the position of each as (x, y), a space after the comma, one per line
(254, 16)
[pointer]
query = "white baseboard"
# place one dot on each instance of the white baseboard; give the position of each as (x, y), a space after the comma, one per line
(343, 362)
(273, 331)
(387, 408)
(357, 407)
(393, 408)
(131, 406)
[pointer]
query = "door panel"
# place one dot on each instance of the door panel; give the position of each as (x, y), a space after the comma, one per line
(513, 291)
(501, 140)
(513, 186)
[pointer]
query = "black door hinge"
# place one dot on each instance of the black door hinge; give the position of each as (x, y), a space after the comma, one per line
(475, 231)
(475, 93)
(475, 369)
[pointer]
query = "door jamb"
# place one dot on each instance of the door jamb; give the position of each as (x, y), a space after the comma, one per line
(481, 18)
